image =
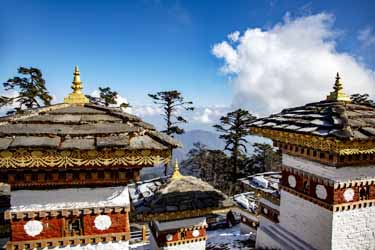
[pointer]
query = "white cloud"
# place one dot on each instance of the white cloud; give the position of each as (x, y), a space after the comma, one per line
(209, 115)
(367, 36)
(291, 63)
(234, 36)
(146, 110)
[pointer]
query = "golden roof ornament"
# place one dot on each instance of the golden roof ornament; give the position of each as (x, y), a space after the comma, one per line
(76, 97)
(338, 93)
(176, 172)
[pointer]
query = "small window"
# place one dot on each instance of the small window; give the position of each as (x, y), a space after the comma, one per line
(364, 193)
(74, 227)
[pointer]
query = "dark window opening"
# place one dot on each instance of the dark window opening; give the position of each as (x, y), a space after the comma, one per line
(364, 193)
(74, 227)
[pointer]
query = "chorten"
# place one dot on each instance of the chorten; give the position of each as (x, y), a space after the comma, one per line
(68, 166)
(327, 191)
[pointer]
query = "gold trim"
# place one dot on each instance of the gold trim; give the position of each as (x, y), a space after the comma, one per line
(176, 172)
(22, 158)
(327, 144)
(76, 97)
(338, 93)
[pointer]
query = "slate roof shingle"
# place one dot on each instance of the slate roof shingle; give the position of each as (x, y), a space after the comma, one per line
(341, 120)
(82, 127)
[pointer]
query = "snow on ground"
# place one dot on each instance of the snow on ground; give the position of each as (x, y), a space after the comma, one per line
(229, 239)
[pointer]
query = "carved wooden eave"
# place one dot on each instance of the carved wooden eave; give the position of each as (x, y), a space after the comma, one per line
(38, 158)
(68, 241)
(183, 242)
(19, 215)
(326, 144)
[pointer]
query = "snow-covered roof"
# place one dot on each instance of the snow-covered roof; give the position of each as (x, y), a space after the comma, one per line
(267, 182)
(247, 201)
(69, 198)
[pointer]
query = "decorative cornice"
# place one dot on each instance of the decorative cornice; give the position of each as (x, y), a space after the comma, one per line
(66, 241)
(187, 241)
(308, 198)
(353, 205)
(22, 158)
(8, 215)
(326, 144)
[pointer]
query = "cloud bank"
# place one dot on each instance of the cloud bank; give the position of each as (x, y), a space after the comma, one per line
(289, 64)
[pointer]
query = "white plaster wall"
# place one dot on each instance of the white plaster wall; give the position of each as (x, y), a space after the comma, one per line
(245, 229)
(354, 229)
(263, 240)
(309, 222)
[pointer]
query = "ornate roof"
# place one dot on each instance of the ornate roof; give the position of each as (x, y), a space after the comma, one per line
(176, 198)
(77, 124)
(83, 127)
(335, 117)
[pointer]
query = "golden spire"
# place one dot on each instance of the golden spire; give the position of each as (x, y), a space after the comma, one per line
(338, 93)
(76, 97)
(176, 172)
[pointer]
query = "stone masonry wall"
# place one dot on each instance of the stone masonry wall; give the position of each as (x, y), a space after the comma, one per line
(307, 221)
(354, 229)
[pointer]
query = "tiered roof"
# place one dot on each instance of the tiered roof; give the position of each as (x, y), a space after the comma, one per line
(329, 125)
(86, 130)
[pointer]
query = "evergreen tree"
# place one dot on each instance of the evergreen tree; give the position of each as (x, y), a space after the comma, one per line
(171, 102)
(363, 99)
(106, 98)
(209, 165)
(265, 158)
(234, 129)
(31, 90)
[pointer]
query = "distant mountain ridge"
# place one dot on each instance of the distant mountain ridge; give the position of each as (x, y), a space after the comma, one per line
(210, 139)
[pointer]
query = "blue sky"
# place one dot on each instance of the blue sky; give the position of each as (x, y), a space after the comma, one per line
(140, 47)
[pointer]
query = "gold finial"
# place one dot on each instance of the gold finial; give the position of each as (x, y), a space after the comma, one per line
(338, 93)
(76, 97)
(176, 171)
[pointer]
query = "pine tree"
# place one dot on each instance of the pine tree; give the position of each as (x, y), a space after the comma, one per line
(265, 158)
(234, 129)
(106, 98)
(171, 102)
(31, 90)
